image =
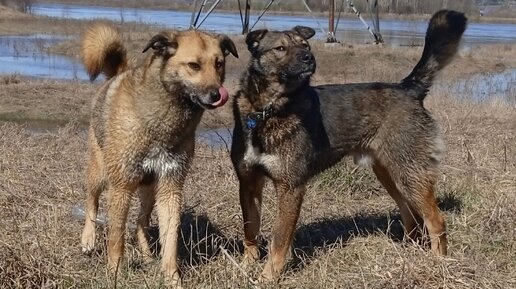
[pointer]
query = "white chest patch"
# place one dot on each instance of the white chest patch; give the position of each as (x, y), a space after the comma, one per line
(363, 160)
(162, 162)
(253, 156)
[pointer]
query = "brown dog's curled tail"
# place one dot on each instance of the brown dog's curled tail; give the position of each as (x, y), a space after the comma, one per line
(103, 51)
(441, 43)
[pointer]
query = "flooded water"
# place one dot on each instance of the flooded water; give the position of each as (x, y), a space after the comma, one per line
(350, 30)
(499, 86)
(25, 55)
(217, 138)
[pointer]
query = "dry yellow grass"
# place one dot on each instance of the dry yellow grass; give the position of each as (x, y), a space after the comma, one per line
(348, 235)
(8, 13)
(349, 232)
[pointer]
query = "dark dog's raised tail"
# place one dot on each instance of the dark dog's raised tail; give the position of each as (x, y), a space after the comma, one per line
(441, 42)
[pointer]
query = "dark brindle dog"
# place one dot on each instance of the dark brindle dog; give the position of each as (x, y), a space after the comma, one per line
(289, 131)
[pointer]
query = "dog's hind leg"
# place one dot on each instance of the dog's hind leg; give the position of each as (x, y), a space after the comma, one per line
(94, 185)
(424, 202)
(416, 185)
(251, 188)
(287, 214)
(408, 215)
(147, 200)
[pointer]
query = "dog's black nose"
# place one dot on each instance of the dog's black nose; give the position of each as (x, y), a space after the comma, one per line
(307, 57)
(214, 96)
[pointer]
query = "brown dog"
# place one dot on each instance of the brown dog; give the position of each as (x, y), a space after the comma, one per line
(142, 130)
(289, 131)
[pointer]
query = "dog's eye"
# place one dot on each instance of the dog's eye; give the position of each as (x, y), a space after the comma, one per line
(305, 45)
(280, 48)
(219, 64)
(194, 66)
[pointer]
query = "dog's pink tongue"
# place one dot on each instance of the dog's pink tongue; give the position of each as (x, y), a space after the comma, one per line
(224, 96)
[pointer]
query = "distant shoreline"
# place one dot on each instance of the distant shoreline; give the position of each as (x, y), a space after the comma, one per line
(257, 11)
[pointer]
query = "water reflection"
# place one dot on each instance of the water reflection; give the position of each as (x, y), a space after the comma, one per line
(351, 30)
(500, 86)
(216, 137)
(26, 55)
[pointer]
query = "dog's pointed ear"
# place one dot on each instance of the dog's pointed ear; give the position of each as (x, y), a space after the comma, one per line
(305, 32)
(228, 46)
(253, 38)
(162, 43)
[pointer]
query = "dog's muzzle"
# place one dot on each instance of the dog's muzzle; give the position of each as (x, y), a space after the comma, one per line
(307, 57)
(213, 99)
(306, 64)
(219, 97)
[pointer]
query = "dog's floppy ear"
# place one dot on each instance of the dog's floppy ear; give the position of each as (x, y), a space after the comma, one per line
(253, 38)
(162, 43)
(228, 46)
(303, 31)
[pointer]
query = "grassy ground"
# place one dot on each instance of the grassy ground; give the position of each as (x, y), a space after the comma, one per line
(349, 232)
(16, 23)
(348, 235)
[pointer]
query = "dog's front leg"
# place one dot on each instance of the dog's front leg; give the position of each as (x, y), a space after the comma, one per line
(251, 187)
(289, 206)
(147, 201)
(168, 208)
(118, 196)
(94, 184)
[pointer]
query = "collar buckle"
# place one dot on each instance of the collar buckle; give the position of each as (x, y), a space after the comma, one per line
(256, 117)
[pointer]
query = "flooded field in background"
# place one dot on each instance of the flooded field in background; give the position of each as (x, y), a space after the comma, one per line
(493, 86)
(27, 55)
(350, 30)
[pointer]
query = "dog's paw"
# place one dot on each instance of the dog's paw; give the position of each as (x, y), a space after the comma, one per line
(251, 255)
(87, 247)
(87, 243)
(174, 284)
(147, 258)
(86, 250)
(173, 280)
(269, 274)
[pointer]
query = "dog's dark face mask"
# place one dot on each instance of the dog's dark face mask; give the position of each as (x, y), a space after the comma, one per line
(284, 56)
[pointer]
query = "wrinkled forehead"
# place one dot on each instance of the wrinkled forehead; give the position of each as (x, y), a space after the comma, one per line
(196, 44)
(284, 38)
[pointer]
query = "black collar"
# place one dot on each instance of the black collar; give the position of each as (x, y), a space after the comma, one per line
(256, 117)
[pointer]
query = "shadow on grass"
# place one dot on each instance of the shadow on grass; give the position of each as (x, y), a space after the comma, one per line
(321, 234)
(450, 202)
(199, 240)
